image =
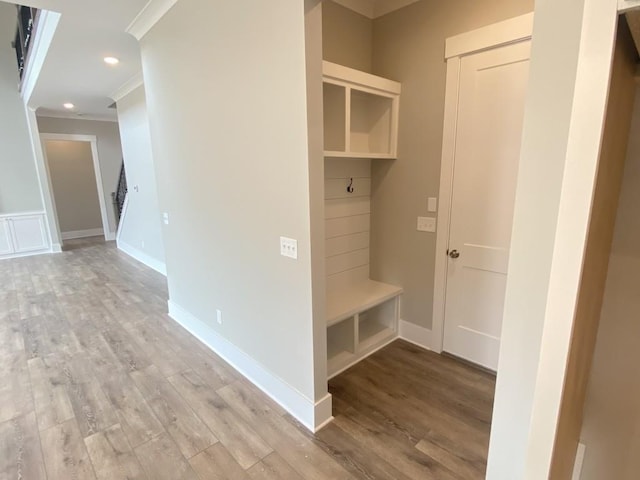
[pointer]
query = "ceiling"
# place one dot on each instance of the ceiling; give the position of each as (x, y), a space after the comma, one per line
(375, 8)
(73, 70)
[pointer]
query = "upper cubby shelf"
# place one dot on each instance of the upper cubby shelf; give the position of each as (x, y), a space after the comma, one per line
(360, 113)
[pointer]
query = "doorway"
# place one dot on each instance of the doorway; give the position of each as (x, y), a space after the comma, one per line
(73, 169)
(486, 91)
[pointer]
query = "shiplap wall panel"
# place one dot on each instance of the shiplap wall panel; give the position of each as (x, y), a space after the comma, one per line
(347, 221)
(347, 243)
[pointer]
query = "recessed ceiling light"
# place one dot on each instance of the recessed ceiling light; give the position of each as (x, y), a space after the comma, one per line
(111, 60)
(68, 106)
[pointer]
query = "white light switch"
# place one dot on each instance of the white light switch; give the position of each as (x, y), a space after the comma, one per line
(288, 247)
(165, 218)
(426, 224)
(432, 204)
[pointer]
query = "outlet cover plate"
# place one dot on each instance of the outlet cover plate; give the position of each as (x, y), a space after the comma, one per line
(289, 247)
(426, 224)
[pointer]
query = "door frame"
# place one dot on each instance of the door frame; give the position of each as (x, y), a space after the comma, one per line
(93, 141)
(514, 30)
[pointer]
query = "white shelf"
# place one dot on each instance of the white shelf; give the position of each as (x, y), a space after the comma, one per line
(353, 299)
(360, 113)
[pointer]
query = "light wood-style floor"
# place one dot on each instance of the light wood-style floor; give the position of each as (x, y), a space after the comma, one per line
(98, 382)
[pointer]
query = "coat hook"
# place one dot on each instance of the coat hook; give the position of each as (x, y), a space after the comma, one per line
(350, 186)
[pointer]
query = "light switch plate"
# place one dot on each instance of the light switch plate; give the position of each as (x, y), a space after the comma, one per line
(288, 247)
(165, 218)
(432, 204)
(426, 224)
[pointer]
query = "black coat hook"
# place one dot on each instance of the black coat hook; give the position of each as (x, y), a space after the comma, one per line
(350, 186)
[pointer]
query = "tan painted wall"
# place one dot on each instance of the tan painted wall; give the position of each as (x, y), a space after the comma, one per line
(408, 46)
(611, 427)
(109, 150)
(19, 188)
(74, 185)
(596, 259)
(233, 175)
(347, 37)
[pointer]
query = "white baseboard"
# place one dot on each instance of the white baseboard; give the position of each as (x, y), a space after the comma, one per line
(25, 254)
(313, 415)
(412, 333)
(577, 466)
(142, 257)
(93, 232)
(56, 248)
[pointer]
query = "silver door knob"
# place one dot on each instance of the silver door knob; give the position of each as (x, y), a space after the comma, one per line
(454, 253)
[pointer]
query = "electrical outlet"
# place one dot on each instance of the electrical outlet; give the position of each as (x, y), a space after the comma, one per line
(432, 204)
(288, 247)
(219, 316)
(426, 224)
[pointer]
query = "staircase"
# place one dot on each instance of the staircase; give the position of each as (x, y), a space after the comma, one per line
(118, 197)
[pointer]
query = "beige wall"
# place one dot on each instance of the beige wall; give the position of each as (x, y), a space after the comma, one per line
(19, 188)
(233, 174)
(109, 150)
(611, 428)
(408, 46)
(141, 227)
(74, 185)
(347, 37)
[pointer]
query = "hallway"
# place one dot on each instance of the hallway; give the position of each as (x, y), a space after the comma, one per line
(98, 382)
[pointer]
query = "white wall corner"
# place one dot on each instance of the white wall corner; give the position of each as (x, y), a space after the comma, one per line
(142, 257)
(45, 30)
(626, 5)
(127, 87)
(312, 415)
(412, 333)
(150, 14)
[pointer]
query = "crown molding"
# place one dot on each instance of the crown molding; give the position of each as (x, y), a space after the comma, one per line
(627, 5)
(71, 116)
(153, 11)
(127, 87)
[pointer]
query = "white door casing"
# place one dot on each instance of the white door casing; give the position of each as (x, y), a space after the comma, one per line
(476, 56)
(491, 103)
(6, 247)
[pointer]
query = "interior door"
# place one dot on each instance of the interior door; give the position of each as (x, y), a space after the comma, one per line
(492, 89)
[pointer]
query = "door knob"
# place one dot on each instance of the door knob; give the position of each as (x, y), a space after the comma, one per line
(454, 253)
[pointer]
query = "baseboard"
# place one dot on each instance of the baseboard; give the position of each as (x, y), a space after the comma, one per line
(412, 333)
(313, 415)
(56, 248)
(25, 254)
(93, 232)
(142, 257)
(577, 466)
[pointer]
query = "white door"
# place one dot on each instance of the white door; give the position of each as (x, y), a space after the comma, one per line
(492, 89)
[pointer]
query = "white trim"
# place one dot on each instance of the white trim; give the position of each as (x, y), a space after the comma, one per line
(153, 11)
(626, 5)
(23, 214)
(577, 466)
(45, 30)
(412, 333)
(509, 31)
(313, 415)
(93, 232)
(142, 257)
(44, 179)
(56, 248)
(76, 116)
(127, 87)
(9, 256)
(365, 8)
(93, 140)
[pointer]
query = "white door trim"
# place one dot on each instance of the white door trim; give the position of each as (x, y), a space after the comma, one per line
(510, 31)
(93, 140)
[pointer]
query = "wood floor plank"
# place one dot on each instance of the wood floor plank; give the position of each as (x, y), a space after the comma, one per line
(134, 414)
(458, 464)
(15, 386)
(20, 454)
(242, 442)
(50, 394)
(112, 456)
(65, 455)
(273, 467)
(174, 413)
(162, 460)
(215, 463)
(291, 444)
(92, 409)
